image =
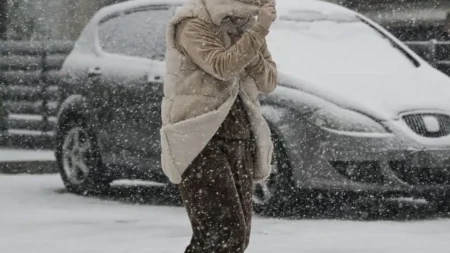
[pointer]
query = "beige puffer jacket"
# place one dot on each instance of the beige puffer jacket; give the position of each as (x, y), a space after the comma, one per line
(198, 93)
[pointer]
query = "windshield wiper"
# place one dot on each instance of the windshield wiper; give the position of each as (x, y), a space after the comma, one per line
(411, 58)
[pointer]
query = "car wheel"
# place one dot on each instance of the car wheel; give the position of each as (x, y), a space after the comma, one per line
(79, 159)
(276, 196)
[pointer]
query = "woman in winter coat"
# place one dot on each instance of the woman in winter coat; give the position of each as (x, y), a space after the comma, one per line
(215, 142)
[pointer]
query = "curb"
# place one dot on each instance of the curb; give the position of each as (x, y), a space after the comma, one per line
(28, 167)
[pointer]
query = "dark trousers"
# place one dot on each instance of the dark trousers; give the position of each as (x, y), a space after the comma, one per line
(217, 192)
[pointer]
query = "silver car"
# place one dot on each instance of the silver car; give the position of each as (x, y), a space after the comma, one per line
(356, 111)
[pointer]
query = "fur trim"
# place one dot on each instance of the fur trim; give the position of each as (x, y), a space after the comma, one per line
(219, 9)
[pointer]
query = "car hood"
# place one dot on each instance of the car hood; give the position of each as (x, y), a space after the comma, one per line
(340, 58)
(381, 95)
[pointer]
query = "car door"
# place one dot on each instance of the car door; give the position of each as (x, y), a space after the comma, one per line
(133, 70)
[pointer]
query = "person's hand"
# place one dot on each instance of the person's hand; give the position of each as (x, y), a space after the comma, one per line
(267, 14)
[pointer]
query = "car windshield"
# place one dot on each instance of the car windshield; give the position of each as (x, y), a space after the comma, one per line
(317, 47)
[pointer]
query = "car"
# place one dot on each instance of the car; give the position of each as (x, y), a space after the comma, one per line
(356, 112)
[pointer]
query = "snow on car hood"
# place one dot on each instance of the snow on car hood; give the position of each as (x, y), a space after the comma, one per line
(383, 97)
(345, 61)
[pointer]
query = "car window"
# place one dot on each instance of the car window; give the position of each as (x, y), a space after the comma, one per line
(106, 29)
(139, 33)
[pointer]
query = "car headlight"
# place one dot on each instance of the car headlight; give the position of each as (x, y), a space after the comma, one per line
(345, 120)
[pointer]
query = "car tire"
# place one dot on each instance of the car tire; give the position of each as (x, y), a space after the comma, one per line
(276, 196)
(78, 159)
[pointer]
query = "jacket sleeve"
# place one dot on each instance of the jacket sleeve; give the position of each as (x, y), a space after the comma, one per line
(263, 70)
(202, 45)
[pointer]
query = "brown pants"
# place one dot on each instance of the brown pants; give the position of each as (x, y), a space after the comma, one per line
(217, 193)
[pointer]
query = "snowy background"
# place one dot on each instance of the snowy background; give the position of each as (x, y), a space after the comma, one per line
(38, 215)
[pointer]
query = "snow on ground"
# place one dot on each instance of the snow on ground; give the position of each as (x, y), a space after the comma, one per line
(37, 215)
(14, 155)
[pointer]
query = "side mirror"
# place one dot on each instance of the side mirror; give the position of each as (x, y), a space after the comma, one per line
(155, 81)
(154, 78)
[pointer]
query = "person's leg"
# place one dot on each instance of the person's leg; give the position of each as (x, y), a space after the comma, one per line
(197, 243)
(210, 196)
(240, 154)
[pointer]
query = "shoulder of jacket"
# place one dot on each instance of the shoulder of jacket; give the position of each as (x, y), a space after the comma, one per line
(196, 23)
(194, 26)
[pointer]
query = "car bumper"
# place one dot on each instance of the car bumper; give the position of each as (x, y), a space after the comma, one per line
(383, 164)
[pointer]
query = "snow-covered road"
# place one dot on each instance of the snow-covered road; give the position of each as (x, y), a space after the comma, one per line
(37, 215)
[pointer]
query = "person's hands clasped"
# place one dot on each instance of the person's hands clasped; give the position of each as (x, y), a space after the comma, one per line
(267, 14)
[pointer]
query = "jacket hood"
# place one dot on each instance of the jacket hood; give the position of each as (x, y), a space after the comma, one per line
(219, 9)
(212, 11)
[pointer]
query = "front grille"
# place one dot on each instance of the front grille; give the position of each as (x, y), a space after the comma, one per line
(420, 175)
(361, 172)
(417, 123)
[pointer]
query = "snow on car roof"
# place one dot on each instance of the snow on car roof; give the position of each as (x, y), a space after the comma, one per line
(312, 5)
(135, 3)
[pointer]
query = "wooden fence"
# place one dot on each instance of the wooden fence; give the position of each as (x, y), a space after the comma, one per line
(30, 92)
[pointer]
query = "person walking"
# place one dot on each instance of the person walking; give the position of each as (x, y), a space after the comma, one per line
(215, 142)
